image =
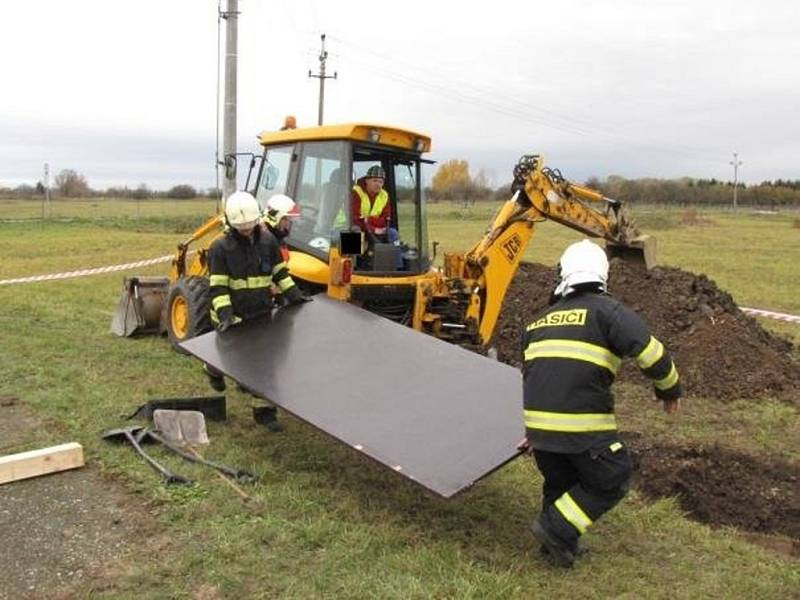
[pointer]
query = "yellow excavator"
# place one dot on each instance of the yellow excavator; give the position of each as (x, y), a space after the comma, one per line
(318, 166)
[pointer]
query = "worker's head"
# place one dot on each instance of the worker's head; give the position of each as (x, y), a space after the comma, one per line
(242, 212)
(582, 264)
(374, 179)
(281, 210)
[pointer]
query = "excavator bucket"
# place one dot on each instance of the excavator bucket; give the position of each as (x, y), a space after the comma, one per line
(639, 250)
(139, 307)
(430, 411)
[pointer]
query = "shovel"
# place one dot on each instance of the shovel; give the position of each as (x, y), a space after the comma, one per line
(132, 436)
(176, 428)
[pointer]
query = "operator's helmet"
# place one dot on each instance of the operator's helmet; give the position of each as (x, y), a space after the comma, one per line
(375, 171)
(242, 211)
(280, 206)
(582, 262)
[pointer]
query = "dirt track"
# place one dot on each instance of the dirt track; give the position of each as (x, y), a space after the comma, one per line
(722, 354)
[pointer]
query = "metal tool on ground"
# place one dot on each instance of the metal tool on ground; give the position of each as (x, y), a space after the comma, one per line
(212, 407)
(180, 426)
(192, 455)
(132, 435)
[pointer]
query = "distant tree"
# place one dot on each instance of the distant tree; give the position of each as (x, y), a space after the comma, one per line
(40, 188)
(503, 192)
(24, 191)
(142, 192)
(72, 184)
(182, 192)
(451, 179)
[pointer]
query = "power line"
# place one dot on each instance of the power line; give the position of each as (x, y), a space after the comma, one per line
(467, 92)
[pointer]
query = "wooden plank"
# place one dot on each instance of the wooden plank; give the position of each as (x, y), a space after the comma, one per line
(40, 462)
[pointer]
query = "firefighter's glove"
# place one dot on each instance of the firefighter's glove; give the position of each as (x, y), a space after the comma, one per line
(226, 319)
(295, 296)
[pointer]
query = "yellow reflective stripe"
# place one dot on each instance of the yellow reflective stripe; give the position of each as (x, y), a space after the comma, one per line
(221, 302)
(668, 381)
(615, 447)
(569, 422)
(602, 357)
(215, 318)
(218, 280)
(250, 283)
(286, 283)
(259, 282)
(278, 267)
(573, 513)
(650, 355)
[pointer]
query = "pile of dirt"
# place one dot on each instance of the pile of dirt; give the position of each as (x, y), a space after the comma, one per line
(719, 486)
(720, 352)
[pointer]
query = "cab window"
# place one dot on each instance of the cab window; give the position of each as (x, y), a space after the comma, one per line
(323, 190)
(274, 175)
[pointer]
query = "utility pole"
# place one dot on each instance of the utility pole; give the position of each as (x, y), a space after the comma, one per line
(736, 164)
(231, 17)
(46, 192)
(323, 56)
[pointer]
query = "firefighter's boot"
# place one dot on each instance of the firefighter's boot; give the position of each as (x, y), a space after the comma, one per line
(215, 379)
(267, 416)
(557, 549)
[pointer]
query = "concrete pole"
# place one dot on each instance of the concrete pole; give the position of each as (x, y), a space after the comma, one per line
(231, 17)
(323, 56)
(46, 209)
(736, 164)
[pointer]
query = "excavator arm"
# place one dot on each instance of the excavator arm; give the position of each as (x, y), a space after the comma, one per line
(478, 280)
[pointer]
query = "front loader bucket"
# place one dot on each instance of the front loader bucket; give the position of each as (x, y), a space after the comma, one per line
(139, 308)
(639, 250)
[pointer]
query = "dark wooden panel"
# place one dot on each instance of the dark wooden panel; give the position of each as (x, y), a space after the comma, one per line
(433, 412)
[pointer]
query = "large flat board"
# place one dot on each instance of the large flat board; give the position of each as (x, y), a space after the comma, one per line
(433, 412)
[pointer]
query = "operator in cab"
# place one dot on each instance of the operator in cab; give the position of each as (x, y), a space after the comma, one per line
(371, 208)
(244, 264)
(572, 352)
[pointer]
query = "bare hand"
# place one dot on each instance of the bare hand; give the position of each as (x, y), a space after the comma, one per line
(525, 446)
(672, 406)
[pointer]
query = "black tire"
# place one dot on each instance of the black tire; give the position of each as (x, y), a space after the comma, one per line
(187, 310)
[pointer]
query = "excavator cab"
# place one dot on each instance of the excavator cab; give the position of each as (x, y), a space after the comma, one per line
(318, 168)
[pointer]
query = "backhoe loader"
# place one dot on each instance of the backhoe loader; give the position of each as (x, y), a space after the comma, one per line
(317, 166)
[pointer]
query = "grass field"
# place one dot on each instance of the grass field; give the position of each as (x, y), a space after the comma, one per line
(327, 523)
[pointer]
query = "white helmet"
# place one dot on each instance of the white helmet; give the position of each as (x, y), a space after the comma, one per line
(242, 210)
(280, 206)
(582, 262)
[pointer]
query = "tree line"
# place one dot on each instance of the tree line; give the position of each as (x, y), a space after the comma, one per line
(452, 181)
(68, 183)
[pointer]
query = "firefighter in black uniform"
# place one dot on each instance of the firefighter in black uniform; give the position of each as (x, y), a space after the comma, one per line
(244, 265)
(572, 351)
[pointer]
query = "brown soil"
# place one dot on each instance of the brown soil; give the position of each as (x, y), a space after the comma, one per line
(720, 352)
(722, 355)
(719, 486)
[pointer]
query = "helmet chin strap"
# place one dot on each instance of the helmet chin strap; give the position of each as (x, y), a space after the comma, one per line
(564, 288)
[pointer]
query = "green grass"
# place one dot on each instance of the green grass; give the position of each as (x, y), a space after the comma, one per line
(325, 522)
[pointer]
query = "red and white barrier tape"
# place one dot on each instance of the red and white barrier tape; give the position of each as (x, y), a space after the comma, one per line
(84, 272)
(771, 315)
(162, 259)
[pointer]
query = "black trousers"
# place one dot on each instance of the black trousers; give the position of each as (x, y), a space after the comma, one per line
(579, 488)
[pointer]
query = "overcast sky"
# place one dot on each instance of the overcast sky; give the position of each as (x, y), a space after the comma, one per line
(125, 91)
